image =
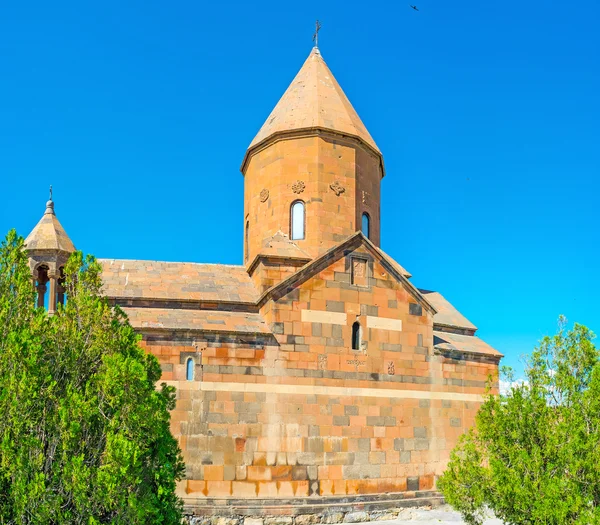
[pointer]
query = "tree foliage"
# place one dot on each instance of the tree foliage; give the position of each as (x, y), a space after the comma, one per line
(84, 431)
(533, 455)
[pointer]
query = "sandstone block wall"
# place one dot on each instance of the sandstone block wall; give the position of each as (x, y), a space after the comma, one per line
(317, 162)
(299, 413)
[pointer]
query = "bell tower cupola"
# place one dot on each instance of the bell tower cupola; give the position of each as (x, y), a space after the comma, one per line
(49, 247)
(313, 171)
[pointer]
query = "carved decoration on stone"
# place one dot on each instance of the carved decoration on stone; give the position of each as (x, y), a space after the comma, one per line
(337, 188)
(355, 362)
(298, 186)
(322, 361)
(365, 197)
(264, 195)
(391, 369)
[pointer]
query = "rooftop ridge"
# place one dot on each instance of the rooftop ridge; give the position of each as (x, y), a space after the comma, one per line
(108, 259)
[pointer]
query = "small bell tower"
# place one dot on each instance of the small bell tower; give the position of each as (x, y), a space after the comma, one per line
(49, 248)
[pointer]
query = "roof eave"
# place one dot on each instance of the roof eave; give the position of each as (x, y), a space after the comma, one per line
(278, 258)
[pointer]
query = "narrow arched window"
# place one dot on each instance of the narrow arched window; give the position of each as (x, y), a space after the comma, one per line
(246, 240)
(189, 369)
(366, 225)
(42, 285)
(297, 220)
(356, 336)
(61, 291)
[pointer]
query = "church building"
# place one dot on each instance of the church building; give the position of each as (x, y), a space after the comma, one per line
(315, 374)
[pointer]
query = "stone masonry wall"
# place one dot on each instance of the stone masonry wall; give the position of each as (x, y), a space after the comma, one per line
(301, 414)
(336, 179)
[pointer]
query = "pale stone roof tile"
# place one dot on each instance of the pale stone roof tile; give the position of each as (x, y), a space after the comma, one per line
(280, 245)
(462, 343)
(49, 234)
(447, 314)
(202, 320)
(176, 281)
(314, 99)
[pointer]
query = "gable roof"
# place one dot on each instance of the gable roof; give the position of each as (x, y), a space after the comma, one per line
(447, 315)
(177, 281)
(49, 234)
(336, 253)
(279, 246)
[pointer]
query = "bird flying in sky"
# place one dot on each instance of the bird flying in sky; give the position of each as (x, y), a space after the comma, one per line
(414, 7)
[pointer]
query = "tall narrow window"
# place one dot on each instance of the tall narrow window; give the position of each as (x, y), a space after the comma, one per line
(366, 225)
(42, 286)
(356, 336)
(246, 240)
(297, 220)
(189, 369)
(60, 289)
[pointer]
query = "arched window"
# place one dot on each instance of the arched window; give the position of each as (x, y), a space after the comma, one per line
(189, 369)
(246, 240)
(42, 286)
(356, 336)
(366, 225)
(61, 291)
(297, 221)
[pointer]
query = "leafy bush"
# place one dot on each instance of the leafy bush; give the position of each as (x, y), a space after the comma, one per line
(533, 455)
(84, 432)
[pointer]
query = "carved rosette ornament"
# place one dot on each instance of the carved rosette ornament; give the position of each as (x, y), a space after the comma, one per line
(337, 188)
(264, 195)
(298, 186)
(391, 368)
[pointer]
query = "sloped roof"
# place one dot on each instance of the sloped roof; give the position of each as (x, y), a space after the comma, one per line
(203, 320)
(447, 315)
(177, 281)
(399, 268)
(281, 246)
(314, 99)
(49, 234)
(462, 343)
(333, 254)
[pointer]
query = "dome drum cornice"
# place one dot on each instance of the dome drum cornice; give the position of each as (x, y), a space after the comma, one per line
(304, 133)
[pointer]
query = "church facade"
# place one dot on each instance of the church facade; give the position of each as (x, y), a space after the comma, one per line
(316, 373)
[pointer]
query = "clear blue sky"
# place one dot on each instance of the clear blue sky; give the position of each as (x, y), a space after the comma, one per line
(487, 113)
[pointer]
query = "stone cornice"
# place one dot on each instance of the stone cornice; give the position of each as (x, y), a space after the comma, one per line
(308, 132)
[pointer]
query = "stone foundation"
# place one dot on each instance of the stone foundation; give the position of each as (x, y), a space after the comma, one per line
(306, 511)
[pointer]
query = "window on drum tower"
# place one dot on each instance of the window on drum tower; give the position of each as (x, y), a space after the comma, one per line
(297, 220)
(366, 225)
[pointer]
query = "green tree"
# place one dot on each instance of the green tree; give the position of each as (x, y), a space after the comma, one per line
(84, 431)
(533, 455)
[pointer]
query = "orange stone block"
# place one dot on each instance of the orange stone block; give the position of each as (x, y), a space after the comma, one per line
(213, 472)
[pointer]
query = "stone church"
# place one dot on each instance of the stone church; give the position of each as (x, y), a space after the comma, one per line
(315, 374)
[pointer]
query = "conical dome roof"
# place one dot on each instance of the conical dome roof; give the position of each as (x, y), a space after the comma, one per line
(314, 99)
(49, 234)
